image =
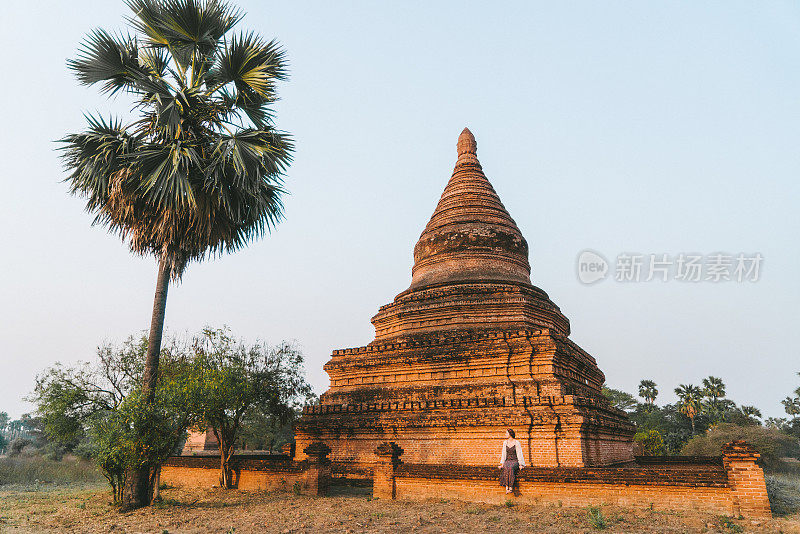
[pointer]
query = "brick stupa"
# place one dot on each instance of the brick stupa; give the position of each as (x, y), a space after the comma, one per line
(469, 349)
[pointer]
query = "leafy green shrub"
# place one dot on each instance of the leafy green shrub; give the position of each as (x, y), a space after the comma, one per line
(53, 451)
(727, 524)
(649, 443)
(770, 443)
(17, 445)
(102, 406)
(596, 518)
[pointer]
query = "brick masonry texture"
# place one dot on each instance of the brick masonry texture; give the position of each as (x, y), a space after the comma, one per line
(270, 472)
(732, 485)
(706, 499)
(470, 349)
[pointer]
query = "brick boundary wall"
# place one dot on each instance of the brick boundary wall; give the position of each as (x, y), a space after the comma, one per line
(275, 472)
(732, 485)
(746, 479)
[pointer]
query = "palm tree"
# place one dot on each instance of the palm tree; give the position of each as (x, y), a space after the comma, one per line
(714, 390)
(197, 171)
(791, 406)
(750, 411)
(648, 391)
(689, 398)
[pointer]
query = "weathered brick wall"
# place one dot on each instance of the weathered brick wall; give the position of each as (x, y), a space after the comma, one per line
(450, 399)
(746, 479)
(733, 484)
(193, 477)
(542, 445)
(707, 499)
(253, 472)
(244, 479)
(703, 474)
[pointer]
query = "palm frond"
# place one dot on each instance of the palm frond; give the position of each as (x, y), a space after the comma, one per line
(251, 64)
(155, 61)
(242, 107)
(105, 58)
(164, 174)
(190, 29)
(94, 157)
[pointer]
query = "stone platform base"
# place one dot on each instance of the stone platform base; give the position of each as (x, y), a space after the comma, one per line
(732, 484)
(557, 431)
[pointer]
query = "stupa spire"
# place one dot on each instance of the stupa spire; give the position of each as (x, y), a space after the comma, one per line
(466, 143)
(470, 236)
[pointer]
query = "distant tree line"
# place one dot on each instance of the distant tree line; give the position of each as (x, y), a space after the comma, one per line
(17, 434)
(702, 417)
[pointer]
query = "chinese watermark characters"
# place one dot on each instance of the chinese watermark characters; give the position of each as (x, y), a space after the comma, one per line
(683, 267)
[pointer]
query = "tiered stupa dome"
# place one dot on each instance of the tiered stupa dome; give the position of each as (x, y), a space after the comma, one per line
(471, 269)
(470, 236)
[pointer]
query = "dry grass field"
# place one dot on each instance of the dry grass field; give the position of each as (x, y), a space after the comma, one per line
(86, 508)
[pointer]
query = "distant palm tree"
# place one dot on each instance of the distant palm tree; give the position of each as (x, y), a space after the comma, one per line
(714, 391)
(648, 391)
(713, 388)
(198, 171)
(750, 411)
(689, 399)
(791, 406)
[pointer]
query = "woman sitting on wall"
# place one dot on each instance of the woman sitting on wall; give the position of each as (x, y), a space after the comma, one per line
(510, 461)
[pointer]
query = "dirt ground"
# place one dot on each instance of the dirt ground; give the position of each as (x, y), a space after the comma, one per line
(87, 509)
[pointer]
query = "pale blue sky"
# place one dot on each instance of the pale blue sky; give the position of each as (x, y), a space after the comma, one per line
(618, 126)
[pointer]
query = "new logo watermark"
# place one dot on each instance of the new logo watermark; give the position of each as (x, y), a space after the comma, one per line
(592, 267)
(715, 267)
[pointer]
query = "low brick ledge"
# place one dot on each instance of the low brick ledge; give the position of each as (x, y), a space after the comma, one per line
(707, 474)
(248, 462)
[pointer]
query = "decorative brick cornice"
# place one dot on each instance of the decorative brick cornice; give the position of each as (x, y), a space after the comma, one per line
(441, 340)
(460, 403)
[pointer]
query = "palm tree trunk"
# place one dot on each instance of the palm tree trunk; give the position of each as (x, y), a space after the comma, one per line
(156, 330)
(138, 482)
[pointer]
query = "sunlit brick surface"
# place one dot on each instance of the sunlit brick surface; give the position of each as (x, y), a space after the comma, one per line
(470, 349)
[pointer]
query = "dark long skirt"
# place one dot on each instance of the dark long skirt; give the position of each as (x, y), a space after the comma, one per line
(508, 476)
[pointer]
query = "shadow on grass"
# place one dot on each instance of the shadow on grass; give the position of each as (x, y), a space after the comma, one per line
(783, 489)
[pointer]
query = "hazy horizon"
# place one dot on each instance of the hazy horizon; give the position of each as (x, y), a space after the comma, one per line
(619, 128)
